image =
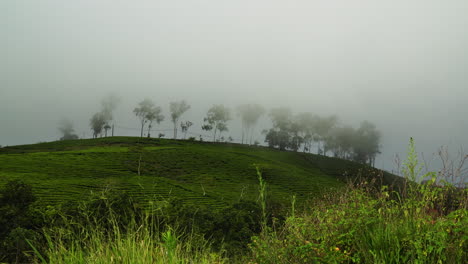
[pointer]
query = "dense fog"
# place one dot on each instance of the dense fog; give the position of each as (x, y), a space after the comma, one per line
(401, 65)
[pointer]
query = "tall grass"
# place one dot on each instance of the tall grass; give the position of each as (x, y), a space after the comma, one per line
(141, 240)
(361, 224)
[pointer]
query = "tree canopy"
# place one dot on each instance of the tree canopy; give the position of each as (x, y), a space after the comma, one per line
(216, 119)
(177, 109)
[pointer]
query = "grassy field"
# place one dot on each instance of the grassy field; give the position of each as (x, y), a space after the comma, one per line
(202, 173)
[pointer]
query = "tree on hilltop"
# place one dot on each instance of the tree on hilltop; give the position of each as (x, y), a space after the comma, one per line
(185, 127)
(249, 113)
(147, 111)
(108, 105)
(216, 119)
(367, 144)
(177, 109)
(66, 128)
(97, 123)
(154, 115)
(280, 134)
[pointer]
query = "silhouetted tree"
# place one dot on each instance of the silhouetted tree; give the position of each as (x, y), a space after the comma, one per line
(147, 111)
(249, 113)
(341, 141)
(185, 127)
(323, 127)
(367, 143)
(97, 123)
(154, 114)
(177, 109)
(109, 104)
(66, 128)
(280, 135)
(216, 119)
(307, 124)
(106, 127)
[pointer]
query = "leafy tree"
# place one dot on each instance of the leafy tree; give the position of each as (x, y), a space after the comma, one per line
(367, 144)
(148, 112)
(323, 127)
(177, 109)
(249, 113)
(185, 127)
(66, 128)
(97, 123)
(216, 119)
(154, 115)
(109, 104)
(277, 138)
(280, 135)
(307, 123)
(341, 141)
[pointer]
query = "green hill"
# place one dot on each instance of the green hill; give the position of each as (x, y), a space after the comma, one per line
(153, 169)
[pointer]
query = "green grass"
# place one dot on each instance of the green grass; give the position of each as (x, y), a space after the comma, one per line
(215, 175)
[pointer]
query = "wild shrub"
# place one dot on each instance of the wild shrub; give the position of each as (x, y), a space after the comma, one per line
(358, 225)
(227, 229)
(17, 222)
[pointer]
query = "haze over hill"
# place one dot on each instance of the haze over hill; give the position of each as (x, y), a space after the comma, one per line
(402, 65)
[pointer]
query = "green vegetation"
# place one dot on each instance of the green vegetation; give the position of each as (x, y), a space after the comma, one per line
(215, 175)
(364, 224)
(359, 227)
(149, 210)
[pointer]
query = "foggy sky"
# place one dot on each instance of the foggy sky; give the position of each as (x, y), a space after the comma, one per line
(401, 64)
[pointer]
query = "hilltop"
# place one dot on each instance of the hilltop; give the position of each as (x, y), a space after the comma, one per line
(202, 173)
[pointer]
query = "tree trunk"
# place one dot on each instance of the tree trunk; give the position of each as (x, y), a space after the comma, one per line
(142, 125)
(149, 129)
(251, 134)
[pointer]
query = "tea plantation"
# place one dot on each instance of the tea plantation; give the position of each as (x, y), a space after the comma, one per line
(201, 173)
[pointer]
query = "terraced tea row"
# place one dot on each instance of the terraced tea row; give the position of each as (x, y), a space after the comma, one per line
(154, 170)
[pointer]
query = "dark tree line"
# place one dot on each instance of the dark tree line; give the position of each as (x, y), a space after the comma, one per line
(304, 130)
(294, 132)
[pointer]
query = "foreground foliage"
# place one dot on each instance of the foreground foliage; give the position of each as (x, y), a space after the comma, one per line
(359, 228)
(367, 223)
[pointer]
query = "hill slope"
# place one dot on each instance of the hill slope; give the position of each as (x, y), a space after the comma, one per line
(153, 169)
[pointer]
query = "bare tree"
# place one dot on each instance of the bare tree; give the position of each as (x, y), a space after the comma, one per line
(454, 169)
(177, 109)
